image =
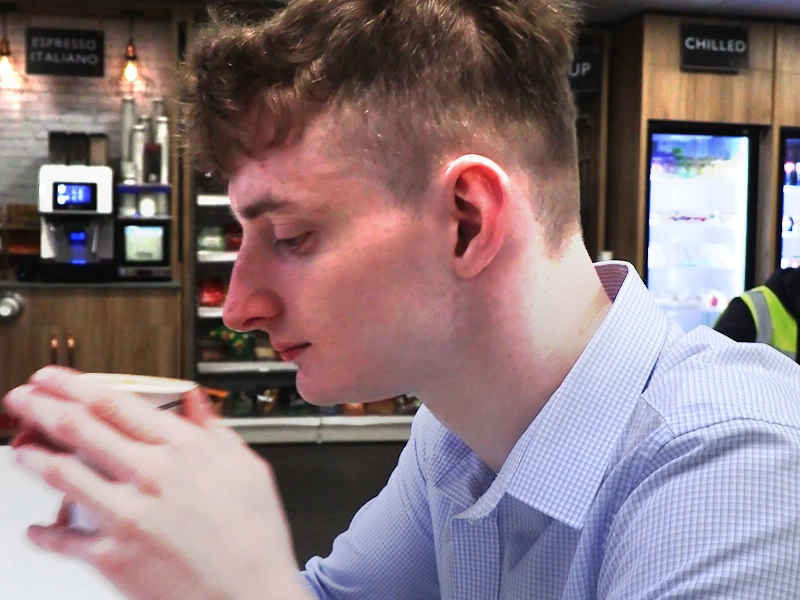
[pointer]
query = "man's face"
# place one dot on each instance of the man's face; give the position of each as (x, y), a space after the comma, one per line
(349, 284)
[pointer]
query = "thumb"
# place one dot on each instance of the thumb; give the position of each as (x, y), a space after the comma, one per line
(197, 408)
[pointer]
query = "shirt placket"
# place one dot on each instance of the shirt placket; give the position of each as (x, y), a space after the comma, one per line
(475, 558)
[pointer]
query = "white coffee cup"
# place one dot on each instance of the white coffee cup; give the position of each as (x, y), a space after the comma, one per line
(162, 392)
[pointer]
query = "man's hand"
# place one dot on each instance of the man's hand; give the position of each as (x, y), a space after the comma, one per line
(184, 509)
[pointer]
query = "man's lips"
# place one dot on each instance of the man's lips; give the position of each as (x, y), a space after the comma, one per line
(289, 352)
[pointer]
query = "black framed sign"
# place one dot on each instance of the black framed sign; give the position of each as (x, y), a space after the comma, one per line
(586, 72)
(714, 48)
(71, 52)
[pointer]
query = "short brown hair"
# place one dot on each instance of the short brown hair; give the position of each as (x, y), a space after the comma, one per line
(422, 79)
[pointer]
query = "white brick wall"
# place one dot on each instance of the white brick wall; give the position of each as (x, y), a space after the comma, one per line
(33, 105)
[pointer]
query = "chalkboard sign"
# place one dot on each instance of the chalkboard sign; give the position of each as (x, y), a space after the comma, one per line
(586, 72)
(715, 48)
(72, 52)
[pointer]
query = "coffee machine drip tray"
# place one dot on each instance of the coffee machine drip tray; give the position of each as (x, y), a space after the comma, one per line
(77, 272)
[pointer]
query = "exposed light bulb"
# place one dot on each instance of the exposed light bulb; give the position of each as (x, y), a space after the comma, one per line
(6, 68)
(131, 72)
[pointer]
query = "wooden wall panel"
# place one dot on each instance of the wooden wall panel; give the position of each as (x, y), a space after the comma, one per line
(787, 99)
(787, 80)
(671, 94)
(625, 217)
(788, 49)
(592, 127)
(188, 239)
(676, 96)
(767, 208)
(126, 331)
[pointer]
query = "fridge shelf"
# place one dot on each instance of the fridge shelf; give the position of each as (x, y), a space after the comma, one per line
(213, 200)
(209, 312)
(691, 266)
(232, 367)
(708, 223)
(211, 256)
(694, 306)
(791, 190)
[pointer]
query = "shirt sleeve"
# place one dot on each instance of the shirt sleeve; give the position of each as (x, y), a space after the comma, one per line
(388, 550)
(718, 518)
(736, 322)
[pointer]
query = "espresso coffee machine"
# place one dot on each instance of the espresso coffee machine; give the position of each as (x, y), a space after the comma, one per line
(77, 223)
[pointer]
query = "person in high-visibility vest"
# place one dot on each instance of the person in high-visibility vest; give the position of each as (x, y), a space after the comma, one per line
(766, 314)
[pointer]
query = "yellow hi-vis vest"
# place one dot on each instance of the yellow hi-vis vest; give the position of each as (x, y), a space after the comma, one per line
(774, 324)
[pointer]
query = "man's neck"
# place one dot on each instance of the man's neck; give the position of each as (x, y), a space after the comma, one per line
(514, 360)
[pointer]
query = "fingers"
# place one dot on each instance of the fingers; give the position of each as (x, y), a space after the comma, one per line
(197, 408)
(104, 552)
(107, 501)
(46, 372)
(29, 435)
(60, 539)
(70, 426)
(62, 518)
(92, 548)
(128, 413)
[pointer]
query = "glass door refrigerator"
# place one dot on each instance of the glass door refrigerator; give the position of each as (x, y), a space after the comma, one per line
(701, 201)
(789, 200)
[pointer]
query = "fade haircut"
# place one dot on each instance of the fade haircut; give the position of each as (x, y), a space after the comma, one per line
(415, 82)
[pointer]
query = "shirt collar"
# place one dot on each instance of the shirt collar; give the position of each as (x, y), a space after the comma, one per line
(558, 464)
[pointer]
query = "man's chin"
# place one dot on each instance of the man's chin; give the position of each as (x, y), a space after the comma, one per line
(319, 396)
(326, 396)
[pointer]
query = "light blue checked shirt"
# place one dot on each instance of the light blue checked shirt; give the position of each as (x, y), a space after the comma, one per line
(666, 465)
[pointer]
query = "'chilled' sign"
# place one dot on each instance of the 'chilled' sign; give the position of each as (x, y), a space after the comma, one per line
(714, 48)
(73, 52)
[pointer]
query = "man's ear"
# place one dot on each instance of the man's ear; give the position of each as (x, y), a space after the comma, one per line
(477, 193)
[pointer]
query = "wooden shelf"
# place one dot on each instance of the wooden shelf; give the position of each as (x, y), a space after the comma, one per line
(30, 228)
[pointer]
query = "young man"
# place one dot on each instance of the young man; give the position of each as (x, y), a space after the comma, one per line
(405, 173)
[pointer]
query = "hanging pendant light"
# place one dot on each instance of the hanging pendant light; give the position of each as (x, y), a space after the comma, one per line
(6, 68)
(131, 70)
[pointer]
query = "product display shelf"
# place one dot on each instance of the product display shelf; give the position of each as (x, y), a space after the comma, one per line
(321, 430)
(244, 367)
(209, 312)
(263, 374)
(207, 200)
(365, 429)
(277, 430)
(216, 256)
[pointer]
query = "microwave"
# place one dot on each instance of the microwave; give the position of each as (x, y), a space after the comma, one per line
(143, 249)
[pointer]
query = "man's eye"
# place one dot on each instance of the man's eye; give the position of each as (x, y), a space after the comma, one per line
(292, 243)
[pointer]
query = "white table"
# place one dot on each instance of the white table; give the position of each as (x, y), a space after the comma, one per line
(27, 573)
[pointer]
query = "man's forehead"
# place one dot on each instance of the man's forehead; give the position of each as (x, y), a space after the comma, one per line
(259, 186)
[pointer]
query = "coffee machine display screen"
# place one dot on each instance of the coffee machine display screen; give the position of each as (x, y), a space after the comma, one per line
(74, 196)
(144, 243)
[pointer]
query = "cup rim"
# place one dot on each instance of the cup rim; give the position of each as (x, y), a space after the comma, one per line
(141, 384)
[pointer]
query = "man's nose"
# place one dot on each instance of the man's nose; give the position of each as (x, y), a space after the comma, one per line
(251, 303)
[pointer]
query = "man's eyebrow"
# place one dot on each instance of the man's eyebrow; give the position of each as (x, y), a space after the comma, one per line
(264, 205)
